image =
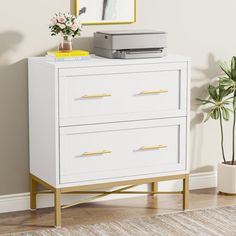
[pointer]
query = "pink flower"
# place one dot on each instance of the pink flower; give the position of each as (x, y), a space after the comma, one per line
(61, 19)
(75, 26)
(53, 21)
(76, 20)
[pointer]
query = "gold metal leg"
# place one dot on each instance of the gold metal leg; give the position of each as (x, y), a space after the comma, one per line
(154, 188)
(186, 192)
(34, 181)
(57, 204)
(33, 190)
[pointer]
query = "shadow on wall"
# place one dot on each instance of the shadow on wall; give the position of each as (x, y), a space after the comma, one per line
(208, 75)
(9, 41)
(13, 117)
(203, 169)
(85, 43)
(14, 161)
(72, 6)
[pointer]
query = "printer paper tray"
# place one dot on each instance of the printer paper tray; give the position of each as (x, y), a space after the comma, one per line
(141, 53)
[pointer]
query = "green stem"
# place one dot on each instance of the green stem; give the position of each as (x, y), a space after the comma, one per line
(65, 37)
(222, 138)
(233, 148)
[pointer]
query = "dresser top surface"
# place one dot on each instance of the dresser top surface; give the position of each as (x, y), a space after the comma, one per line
(101, 61)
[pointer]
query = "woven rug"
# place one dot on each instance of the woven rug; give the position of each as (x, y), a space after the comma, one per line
(217, 222)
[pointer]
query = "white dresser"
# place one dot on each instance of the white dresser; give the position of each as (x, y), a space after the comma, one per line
(106, 123)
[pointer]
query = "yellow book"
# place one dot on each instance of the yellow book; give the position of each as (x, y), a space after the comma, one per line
(74, 53)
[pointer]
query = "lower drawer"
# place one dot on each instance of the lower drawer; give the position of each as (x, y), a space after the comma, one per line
(122, 149)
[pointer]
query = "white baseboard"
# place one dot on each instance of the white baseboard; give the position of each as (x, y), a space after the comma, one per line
(20, 202)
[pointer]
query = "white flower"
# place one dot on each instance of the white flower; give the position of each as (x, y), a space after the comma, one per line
(69, 23)
(68, 15)
(62, 26)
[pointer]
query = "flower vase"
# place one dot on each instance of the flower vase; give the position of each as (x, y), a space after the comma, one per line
(65, 44)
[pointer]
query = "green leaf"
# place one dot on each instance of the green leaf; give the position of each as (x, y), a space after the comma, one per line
(212, 115)
(229, 91)
(229, 110)
(226, 81)
(212, 92)
(215, 114)
(233, 75)
(225, 113)
(225, 103)
(233, 63)
(204, 101)
(208, 117)
(229, 98)
(226, 69)
(224, 92)
(234, 101)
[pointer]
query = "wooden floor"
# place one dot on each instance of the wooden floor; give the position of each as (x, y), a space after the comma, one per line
(112, 210)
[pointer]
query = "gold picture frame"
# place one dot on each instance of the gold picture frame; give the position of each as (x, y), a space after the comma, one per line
(106, 22)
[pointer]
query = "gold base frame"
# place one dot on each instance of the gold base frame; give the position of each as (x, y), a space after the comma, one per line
(93, 189)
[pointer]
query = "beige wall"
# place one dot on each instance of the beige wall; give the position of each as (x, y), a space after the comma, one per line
(202, 29)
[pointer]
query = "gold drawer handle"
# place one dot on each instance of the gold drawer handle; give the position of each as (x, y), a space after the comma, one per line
(96, 153)
(160, 91)
(101, 95)
(148, 148)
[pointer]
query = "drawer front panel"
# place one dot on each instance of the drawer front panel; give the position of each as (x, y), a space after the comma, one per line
(122, 150)
(119, 96)
(103, 70)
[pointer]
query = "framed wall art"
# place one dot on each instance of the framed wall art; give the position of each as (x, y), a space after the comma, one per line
(106, 11)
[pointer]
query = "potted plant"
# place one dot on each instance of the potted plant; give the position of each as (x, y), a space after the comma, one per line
(67, 26)
(221, 104)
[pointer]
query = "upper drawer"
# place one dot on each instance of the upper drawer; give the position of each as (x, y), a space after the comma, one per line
(108, 94)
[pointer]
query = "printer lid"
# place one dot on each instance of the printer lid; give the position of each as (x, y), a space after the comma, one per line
(130, 39)
(130, 32)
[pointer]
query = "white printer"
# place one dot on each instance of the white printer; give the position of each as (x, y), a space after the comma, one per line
(130, 44)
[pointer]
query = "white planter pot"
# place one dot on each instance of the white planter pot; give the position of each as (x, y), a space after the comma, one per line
(226, 178)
